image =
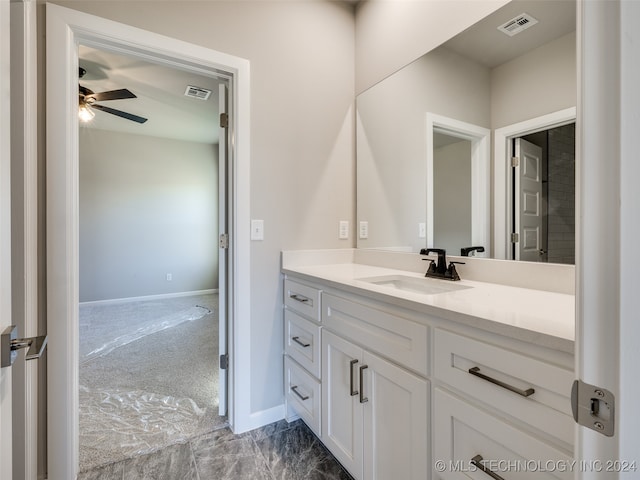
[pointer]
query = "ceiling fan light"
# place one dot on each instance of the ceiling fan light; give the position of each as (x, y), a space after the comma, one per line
(85, 113)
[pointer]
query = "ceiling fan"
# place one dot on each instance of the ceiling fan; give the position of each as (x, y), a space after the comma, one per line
(88, 99)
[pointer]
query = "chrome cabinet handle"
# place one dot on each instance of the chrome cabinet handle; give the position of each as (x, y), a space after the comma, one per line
(525, 393)
(477, 462)
(297, 340)
(352, 391)
(300, 298)
(363, 399)
(294, 389)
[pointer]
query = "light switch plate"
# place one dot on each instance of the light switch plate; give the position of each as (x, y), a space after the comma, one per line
(364, 230)
(257, 229)
(422, 230)
(343, 231)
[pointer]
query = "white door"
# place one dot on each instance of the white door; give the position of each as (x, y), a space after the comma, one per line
(5, 241)
(341, 408)
(528, 201)
(223, 228)
(395, 422)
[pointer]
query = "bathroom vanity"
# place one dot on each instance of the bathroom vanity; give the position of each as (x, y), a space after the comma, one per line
(407, 377)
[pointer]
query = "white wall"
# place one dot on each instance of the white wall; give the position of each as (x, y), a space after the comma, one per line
(148, 207)
(302, 146)
(539, 82)
(391, 34)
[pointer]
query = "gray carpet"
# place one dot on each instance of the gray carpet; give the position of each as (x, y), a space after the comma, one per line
(148, 376)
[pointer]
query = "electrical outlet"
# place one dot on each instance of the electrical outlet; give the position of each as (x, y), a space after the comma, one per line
(422, 230)
(169, 277)
(364, 230)
(343, 232)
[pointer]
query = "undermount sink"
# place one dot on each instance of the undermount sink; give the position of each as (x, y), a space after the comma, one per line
(424, 286)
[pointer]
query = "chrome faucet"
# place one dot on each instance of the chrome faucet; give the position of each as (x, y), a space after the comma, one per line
(440, 270)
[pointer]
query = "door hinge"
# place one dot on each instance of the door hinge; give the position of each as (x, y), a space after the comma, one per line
(224, 240)
(224, 120)
(515, 238)
(593, 407)
(515, 161)
(224, 361)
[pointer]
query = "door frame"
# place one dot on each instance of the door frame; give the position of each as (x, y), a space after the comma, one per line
(6, 434)
(24, 175)
(66, 28)
(502, 181)
(480, 176)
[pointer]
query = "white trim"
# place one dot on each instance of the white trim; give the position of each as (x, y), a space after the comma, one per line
(67, 28)
(143, 298)
(24, 145)
(480, 176)
(265, 417)
(502, 171)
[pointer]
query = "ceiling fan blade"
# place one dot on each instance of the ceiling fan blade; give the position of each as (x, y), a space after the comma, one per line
(120, 113)
(112, 95)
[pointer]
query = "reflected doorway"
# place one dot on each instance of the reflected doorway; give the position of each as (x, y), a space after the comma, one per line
(543, 199)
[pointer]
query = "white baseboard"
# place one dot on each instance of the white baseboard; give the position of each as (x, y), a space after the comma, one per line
(261, 418)
(150, 297)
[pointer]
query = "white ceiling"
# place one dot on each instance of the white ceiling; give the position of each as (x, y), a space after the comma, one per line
(485, 44)
(160, 91)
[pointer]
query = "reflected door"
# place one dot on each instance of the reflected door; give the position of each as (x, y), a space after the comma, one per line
(528, 201)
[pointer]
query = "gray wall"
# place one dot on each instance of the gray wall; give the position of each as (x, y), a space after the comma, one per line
(536, 83)
(452, 196)
(302, 137)
(148, 207)
(392, 135)
(391, 34)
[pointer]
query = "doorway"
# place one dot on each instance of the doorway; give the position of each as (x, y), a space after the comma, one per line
(150, 279)
(66, 29)
(544, 196)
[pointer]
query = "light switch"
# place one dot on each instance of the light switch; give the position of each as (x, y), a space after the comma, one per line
(422, 230)
(364, 230)
(343, 231)
(257, 229)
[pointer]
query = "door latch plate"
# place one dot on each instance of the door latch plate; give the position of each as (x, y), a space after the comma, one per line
(593, 407)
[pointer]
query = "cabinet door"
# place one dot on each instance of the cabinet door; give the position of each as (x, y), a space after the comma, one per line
(341, 409)
(396, 431)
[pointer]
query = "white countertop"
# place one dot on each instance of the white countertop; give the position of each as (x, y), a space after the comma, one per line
(535, 316)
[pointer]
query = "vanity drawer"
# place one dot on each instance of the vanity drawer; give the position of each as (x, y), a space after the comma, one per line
(302, 341)
(463, 432)
(302, 298)
(529, 389)
(303, 394)
(399, 339)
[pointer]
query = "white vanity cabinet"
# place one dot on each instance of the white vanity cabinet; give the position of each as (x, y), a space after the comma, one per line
(395, 390)
(302, 353)
(374, 411)
(499, 409)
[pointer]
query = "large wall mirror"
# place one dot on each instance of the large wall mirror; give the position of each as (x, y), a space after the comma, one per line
(436, 141)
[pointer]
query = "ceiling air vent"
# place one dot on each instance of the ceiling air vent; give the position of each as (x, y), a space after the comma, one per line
(197, 92)
(518, 24)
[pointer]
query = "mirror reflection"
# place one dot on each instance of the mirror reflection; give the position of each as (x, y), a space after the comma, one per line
(421, 184)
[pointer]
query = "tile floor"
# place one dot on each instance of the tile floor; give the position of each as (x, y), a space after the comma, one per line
(279, 451)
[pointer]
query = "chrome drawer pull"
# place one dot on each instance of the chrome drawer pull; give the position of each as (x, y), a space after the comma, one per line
(353, 392)
(300, 298)
(294, 389)
(363, 399)
(477, 462)
(525, 393)
(297, 340)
